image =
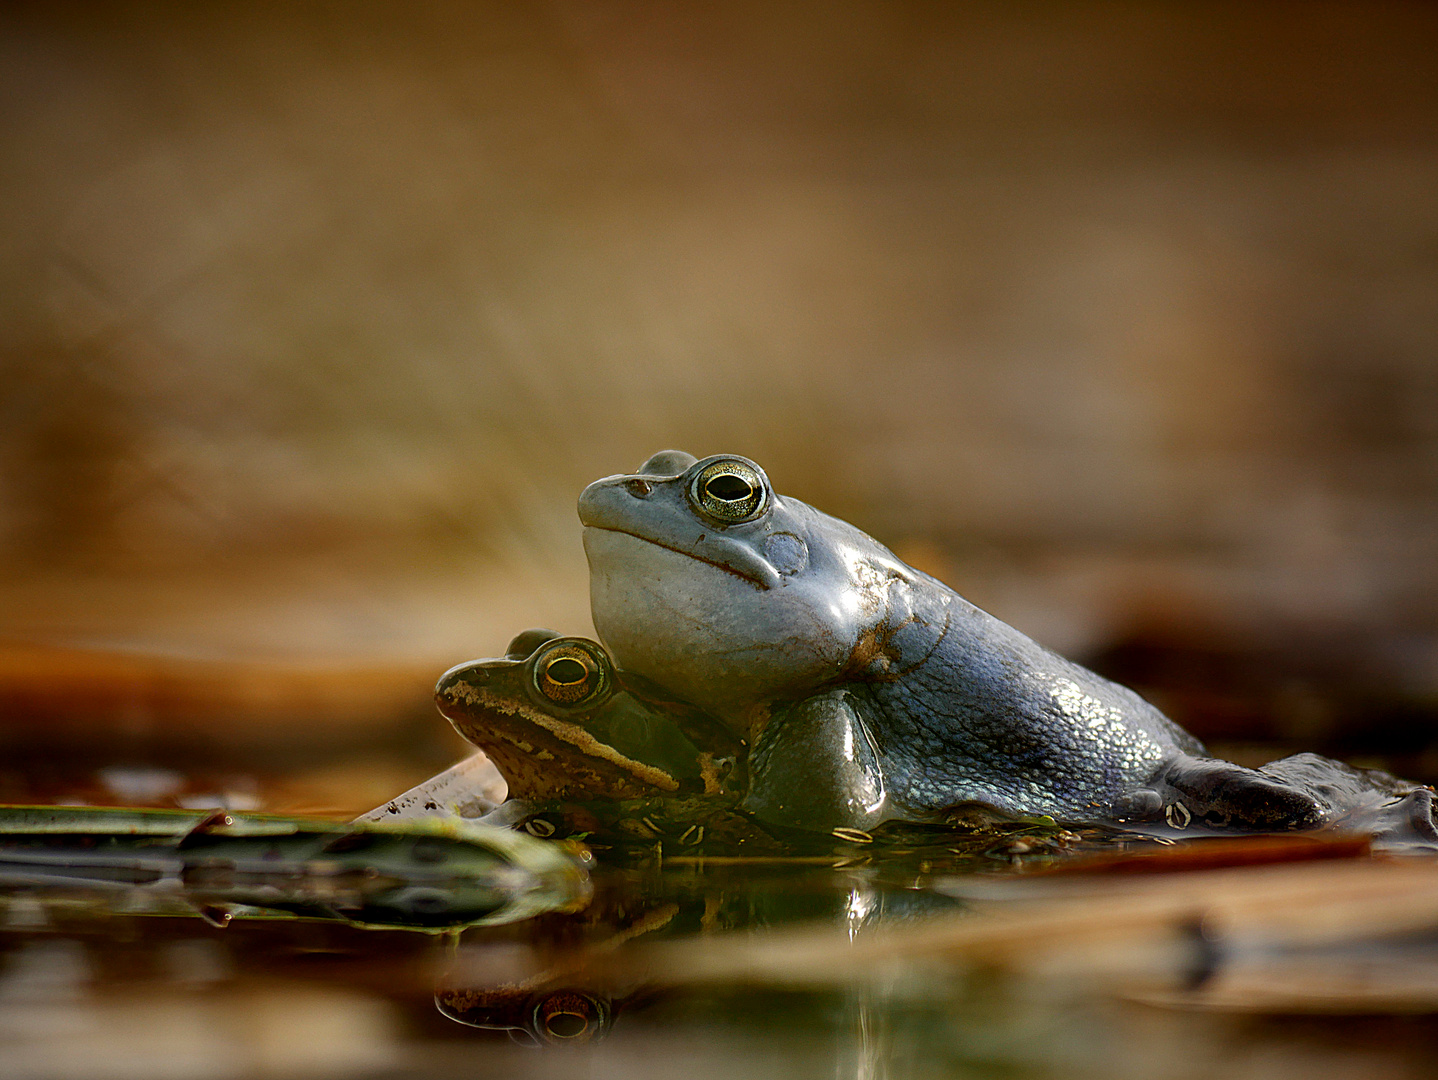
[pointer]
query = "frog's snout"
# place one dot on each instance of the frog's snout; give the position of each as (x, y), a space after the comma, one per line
(449, 692)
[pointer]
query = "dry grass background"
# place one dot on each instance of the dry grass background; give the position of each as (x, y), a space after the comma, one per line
(315, 318)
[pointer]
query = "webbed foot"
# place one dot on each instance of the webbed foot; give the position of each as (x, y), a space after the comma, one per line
(1417, 814)
(1404, 824)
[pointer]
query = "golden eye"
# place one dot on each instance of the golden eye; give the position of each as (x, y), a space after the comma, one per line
(565, 671)
(730, 491)
(569, 673)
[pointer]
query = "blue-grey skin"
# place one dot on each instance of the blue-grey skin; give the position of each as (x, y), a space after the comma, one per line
(869, 690)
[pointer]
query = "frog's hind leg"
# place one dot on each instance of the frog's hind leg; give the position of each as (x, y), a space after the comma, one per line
(1206, 793)
(815, 767)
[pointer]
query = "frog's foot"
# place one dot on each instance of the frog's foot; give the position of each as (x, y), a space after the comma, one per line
(1205, 793)
(1402, 824)
(1396, 814)
(1415, 813)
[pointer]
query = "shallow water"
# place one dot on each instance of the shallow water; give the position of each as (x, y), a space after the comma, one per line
(1022, 951)
(1018, 955)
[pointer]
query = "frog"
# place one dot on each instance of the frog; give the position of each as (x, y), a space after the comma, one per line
(871, 691)
(587, 749)
(559, 720)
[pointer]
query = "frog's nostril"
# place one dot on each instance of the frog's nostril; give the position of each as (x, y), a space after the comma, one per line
(638, 488)
(451, 687)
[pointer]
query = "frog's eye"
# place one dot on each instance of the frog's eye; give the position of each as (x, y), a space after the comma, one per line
(729, 491)
(570, 673)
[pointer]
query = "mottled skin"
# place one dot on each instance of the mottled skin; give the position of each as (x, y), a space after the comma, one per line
(560, 722)
(872, 691)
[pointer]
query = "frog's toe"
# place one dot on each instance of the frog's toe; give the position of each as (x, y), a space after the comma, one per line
(1403, 824)
(1416, 824)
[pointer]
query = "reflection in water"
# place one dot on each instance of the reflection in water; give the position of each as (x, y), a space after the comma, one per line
(1182, 962)
(420, 874)
(573, 983)
(873, 946)
(563, 978)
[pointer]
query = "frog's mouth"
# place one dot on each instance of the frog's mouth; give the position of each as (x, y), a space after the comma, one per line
(752, 579)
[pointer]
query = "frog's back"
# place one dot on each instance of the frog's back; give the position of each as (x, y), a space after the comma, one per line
(992, 717)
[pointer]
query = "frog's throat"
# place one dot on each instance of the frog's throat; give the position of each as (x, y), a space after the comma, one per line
(575, 736)
(762, 586)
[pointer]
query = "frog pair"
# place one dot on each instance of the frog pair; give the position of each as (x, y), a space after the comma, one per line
(851, 688)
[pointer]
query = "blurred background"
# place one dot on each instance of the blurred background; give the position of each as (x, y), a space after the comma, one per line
(315, 318)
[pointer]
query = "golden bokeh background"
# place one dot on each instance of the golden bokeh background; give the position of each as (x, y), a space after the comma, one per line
(1122, 318)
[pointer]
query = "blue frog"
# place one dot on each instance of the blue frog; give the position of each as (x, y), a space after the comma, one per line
(870, 691)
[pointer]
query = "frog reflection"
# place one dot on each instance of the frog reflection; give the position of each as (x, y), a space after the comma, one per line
(566, 979)
(871, 691)
(534, 1015)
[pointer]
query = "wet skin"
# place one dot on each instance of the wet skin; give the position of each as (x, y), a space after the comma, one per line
(561, 723)
(871, 691)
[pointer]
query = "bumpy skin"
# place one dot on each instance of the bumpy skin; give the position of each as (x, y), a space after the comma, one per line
(989, 717)
(871, 691)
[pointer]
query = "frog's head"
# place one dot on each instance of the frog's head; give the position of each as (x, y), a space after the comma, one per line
(706, 581)
(559, 721)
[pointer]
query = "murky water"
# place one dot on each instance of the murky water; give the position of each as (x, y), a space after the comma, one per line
(1025, 951)
(1033, 953)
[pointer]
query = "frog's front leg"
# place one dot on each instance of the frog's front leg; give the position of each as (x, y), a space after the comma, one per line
(815, 767)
